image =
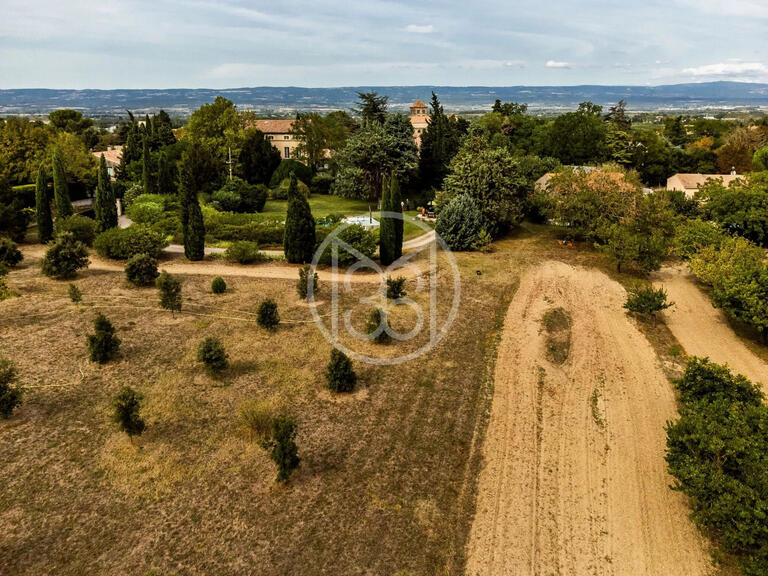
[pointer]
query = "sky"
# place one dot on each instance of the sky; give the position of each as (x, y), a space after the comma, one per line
(319, 43)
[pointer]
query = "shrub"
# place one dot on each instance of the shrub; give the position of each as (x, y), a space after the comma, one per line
(460, 223)
(253, 198)
(65, 257)
(377, 327)
(256, 418)
(211, 353)
(131, 194)
(237, 195)
(9, 252)
(244, 252)
(339, 373)
(103, 344)
(218, 286)
(646, 301)
(267, 314)
(147, 209)
(321, 183)
(226, 199)
(281, 192)
(302, 286)
(10, 396)
(284, 169)
(170, 292)
(141, 270)
(282, 446)
(693, 235)
(362, 240)
(126, 407)
(75, 294)
(483, 242)
(124, 243)
(396, 288)
(81, 227)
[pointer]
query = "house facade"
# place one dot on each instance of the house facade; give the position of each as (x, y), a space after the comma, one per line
(419, 120)
(690, 183)
(112, 156)
(280, 133)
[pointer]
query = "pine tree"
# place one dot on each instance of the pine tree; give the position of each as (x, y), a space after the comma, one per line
(103, 344)
(105, 205)
(191, 214)
(126, 407)
(147, 178)
(43, 207)
(282, 446)
(170, 292)
(339, 373)
(387, 234)
(60, 189)
(299, 236)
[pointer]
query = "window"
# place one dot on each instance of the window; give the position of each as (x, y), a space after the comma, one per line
(270, 137)
(286, 137)
(287, 153)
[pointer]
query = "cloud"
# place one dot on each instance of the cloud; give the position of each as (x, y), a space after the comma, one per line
(556, 64)
(420, 29)
(742, 8)
(731, 68)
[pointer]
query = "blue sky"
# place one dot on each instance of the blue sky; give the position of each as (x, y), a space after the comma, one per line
(232, 43)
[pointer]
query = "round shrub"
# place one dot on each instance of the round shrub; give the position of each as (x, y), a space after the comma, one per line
(339, 373)
(244, 252)
(65, 257)
(284, 169)
(459, 223)
(253, 198)
(146, 210)
(141, 270)
(321, 183)
(226, 199)
(218, 286)
(9, 252)
(81, 227)
(267, 314)
(124, 243)
(237, 195)
(211, 353)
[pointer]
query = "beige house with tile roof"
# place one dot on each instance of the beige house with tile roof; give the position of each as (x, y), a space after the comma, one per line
(689, 183)
(419, 120)
(112, 155)
(280, 133)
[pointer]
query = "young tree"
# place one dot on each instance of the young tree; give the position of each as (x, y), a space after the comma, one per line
(267, 315)
(103, 344)
(170, 292)
(65, 257)
(141, 270)
(258, 159)
(105, 204)
(339, 373)
(10, 395)
(377, 326)
(647, 301)
(282, 446)
(60, 189)
(211, 353)
(191, 214)
(299, 236)
(302, 286)
(43, 207)
(125, 412)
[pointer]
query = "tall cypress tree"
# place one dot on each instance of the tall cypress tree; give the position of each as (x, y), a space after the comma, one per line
(386, 227)
(105, 205)
(43, 207)
(191, 214)
(147, 178)
(299, 236)
(166, 183)
(395, 206)
(60, 189)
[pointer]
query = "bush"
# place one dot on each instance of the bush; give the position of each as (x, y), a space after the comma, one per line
(146, 209)
(267, 314)
(244, 252)
(364, 241)
(460, 222)
(321, 183)
(211, 353)
(483, 242)
(396, 288)
(124, 243)
(131, 194)
(226, 199)
(65, 257)
(339, 373)
(693, 235)
(647, 301)
(281, 191)
(377, 327)
(284, 169)
(9, 252)
(237, 195)
(302, 286)
(218, 286)
(256, 418)
(141, 270)
(170, 292)
(81, 227)
(103, 344)
(282, 446)
(75, 294)
(126, 407)
(10, 396)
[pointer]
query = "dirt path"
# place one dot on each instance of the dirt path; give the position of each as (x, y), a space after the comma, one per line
(702, 329)
(575, 481)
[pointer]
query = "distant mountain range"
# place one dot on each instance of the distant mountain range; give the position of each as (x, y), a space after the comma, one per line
(288, 100)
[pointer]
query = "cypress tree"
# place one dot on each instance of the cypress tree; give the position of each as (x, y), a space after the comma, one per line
(105, 205)
(191, 215)
(386, 227)
(299, 236)
(43, 207)
(60, 189)
(147, 178)
(166, 183)
(396, 206)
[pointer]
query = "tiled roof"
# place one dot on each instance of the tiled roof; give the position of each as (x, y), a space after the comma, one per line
(693, 181)
(275, 126)
(112, 155)
(418, 104)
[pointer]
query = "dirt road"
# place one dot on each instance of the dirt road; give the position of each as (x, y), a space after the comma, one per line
(703, 330)
(574, 481)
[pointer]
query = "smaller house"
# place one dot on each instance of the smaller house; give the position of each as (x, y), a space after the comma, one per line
(690, 183)
(112, 155)
(542, 183)
(419, 120)
(280, 133)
